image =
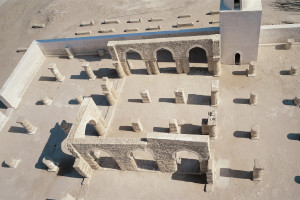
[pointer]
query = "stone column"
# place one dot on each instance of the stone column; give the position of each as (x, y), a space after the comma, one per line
(167, 166)
(46, 101)
(252, 69)
(100, 128)
(137, 125)
(294, 70)
(179, 96)
(297, 101)
(145, 96)
(210, 172)
(65, 127)
(12, 162)
(210, 63)
(102, 121)
(179, 68)
(52, 167)
(185, 63)
(217, 66)
(154, 67)
(59, 77)
(89, 71)
(110, 97)
(254, 132)
(174, 127)
(289, 44)
(209, 126)
(79, 99)
(215, 93)
(119, 69)
(253, 98)
(82, 167)
(148, 66)
(109, 90)
(69, 52)
(126, 68)
(27, 125)
(257, 170)
(126, 164)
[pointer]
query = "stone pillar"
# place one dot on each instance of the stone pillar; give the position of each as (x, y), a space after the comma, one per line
(12, 162)
(148, 66)
(102, 121)
(126, 68)
(289, 44)
(257, 170)
(209, 126)
(203, 166)
(210, 172)
(254, 132)
(294, 70)
(137, 125)
(52, 167)
(65, 127)
(89, 71)
(126, 164)
(179, 96)
(154, 67)
(215, 93)
(217, 66)
(69, 52)
(174, 127)
(79, 99)
(46, 101)
(27, 125)
(297, 101)
(210, 63)
(59, 77)
(101, 52)
(100, 129)
(252, 69)
(167, 166)
(253, 98)
(185, 65)
(179, 68)
(145, 96)
(119, 69)
(83, 168)
(109, 91)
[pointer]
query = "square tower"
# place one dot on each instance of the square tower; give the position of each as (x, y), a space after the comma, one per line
(240, 22)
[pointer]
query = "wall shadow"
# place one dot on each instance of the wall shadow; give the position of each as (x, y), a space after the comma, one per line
(73, 102)
(139, 71)
(293, 136)
(240, 73)
(146, 164)
(191, 129)
(135, 100)
(242, 134)
(288, 102)
(39, 103)
(233, 173)
(280, 47)
(83, 75)
(126, 128)
(241, 101)
(17, 129)
(201, 179)
(53, 150)
(4, 165)
(2, 105)
(202, 71)
(297, 179)
(168, 70)
(188, 166)
(161, 129)
(100, 99)
(167, 100)
(284, 72)
(90, 130)
(47, 78)
(106, 72)
(196, 99)
(286, 5)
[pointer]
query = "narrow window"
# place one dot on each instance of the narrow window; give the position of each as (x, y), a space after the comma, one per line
(237, 59)
(237, 5)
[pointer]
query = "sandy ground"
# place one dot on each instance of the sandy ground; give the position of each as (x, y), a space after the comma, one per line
(233, 152)
(63, 17)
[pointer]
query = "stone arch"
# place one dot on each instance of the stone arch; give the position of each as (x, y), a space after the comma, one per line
(185, 149)
(90, 128)
(143, 159)
(106, 160)
(195, 46)
(163, 48)
(165, 66)
(135, 63)
(188, 164)
(123, 55)
(197, 57)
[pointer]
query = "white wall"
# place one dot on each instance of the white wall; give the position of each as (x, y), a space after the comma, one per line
(14, 88)
(279, 33)
(240, 32)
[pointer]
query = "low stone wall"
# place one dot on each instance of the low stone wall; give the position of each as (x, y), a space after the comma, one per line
(14, 88)
(279, 33)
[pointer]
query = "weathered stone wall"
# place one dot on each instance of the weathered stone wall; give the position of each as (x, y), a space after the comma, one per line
(179, 47)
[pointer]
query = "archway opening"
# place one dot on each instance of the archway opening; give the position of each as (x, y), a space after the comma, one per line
(165, 61)
(105, 160)
(198, 61)
(237, 4)
(144, 160)
(187, 162)
(90, 130)
(237, 59)
(135, 63)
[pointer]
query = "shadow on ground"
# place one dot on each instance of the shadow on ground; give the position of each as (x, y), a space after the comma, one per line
(293, 136)
(241, 101)
(233, 173)
(297, 179)
(288, 102)
(53, 150)
(201, 179)
(196, 99)
(242, 134)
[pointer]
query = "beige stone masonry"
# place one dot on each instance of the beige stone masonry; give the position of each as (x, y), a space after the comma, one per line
(294, 70)
(111, 21)
(145, 96)
(59, 77)
(137, 125)
(107, 30)
(215, 93)
(69, 52)
(257, 170)
(297, 101)
(101, 52)
(65, 127)
(254, 132)
(83, 168)
(46, 101)
(174, 128)
(253, 98)
(156, 19)
(109, 91)
(184, 16)
(89, 71)
(251, 72)
(289, 44)
(52, 167)
(90, 23)
(179, 96)
(83, 32)
(180, 24)
(79, 99)
(27, 125)
(12, 162)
